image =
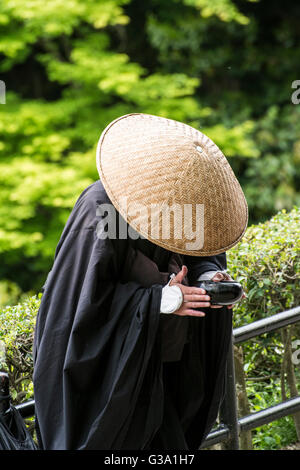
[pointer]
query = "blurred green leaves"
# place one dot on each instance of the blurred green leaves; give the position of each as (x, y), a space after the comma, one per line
(71, 67)
(223, 9)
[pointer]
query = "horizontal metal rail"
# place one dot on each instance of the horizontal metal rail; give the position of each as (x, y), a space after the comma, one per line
(229, 431)
(26, 409)
(266, 325)
(230, 426)
(254, 420)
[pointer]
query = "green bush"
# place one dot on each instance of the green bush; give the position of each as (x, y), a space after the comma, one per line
(16, 339)
(277, 434)
(267, 263)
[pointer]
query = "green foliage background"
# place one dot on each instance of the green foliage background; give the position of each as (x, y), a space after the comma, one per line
(225, 67)
(71, 66)
(267, 263)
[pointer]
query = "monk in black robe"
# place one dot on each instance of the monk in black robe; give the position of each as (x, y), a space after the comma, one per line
(111, 371)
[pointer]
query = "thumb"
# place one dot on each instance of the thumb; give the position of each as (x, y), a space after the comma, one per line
(218, 277)
(179, 276)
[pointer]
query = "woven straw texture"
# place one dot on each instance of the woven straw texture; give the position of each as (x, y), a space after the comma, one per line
(152, 168)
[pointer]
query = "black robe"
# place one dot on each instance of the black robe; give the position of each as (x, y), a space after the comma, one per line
(99, 379)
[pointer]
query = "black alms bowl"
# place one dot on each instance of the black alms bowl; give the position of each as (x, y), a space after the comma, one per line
(222, 292)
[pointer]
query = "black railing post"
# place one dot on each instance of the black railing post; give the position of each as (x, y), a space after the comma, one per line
(229, 414)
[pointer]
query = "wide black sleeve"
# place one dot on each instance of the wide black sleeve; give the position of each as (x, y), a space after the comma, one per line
(198, 265)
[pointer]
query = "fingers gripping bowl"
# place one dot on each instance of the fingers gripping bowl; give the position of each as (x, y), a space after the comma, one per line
(222, 292)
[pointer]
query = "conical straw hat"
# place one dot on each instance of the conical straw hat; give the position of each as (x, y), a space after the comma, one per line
(171, 184)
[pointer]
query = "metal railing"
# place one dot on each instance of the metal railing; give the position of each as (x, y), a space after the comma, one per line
(231, 426)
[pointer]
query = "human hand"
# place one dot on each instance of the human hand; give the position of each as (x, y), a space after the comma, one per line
(193, 297)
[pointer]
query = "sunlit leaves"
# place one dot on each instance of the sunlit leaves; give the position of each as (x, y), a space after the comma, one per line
(223, 9)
